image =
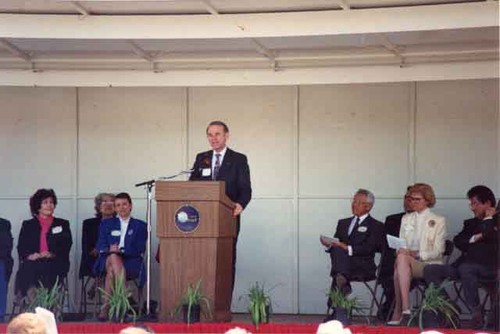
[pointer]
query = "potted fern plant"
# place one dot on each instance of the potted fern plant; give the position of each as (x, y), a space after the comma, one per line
(259, 304)
(343, 307)
(118, 300)
(50, 299)
(191, 304)
(435, 310)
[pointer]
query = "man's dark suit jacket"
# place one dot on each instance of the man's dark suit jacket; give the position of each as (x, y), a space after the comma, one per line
(234, 171)
(365, 241)
(6, 247)
(59, 242)
(484, 251)
(392, 226)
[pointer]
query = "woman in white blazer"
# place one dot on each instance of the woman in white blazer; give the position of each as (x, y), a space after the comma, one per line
(424, 232)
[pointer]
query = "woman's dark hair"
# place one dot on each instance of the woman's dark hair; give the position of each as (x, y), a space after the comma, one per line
(38, 197)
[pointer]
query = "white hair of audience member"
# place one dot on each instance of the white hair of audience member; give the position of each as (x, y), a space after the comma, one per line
(431, 332)
(27, 323)
(332, 327)
(49, 318)
(134, 330)
(237, 330)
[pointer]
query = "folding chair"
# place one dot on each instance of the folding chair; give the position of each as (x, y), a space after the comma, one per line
(138, 283)
(86, 283)
(373, 291)
(489, 288)
(21, 304)
(419, 285)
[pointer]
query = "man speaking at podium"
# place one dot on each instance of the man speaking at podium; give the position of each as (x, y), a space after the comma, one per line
(223, 164)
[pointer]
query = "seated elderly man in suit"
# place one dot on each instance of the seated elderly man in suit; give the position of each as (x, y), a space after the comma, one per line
(5, 264)
(479, 261)
(121, 243)
(359, 238)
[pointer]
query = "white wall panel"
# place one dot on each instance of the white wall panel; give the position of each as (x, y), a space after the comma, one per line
(129, 135)
(260, 121)
(267, 253)
(37, 140)
(457, 135)
(354, 136)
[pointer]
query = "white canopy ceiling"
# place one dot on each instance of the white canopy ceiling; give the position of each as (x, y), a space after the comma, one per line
(182, 36)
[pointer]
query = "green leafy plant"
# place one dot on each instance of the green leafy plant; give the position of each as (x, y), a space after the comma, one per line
(339, 300)
(118, 300)
(194, 297)
(50, 299)
(436, 302)
(259, 303)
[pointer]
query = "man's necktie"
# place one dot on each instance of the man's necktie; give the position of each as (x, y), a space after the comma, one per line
(216, 166)
(356, 225)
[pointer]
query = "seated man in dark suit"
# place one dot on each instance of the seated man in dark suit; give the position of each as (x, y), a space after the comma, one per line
(5, 264)
(479, 261)
(359, 238)
(392, 226)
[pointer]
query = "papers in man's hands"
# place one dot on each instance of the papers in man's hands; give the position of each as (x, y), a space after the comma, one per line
(327, 241)
(395, 242)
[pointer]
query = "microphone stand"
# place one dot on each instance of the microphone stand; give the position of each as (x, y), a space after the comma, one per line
(149, 186)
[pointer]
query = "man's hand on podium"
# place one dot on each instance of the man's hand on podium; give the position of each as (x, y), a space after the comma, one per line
(237, 209)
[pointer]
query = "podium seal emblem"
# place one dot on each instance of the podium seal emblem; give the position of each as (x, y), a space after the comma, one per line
(187, 218)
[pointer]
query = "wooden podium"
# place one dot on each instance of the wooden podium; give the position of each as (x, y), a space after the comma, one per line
(205, 252)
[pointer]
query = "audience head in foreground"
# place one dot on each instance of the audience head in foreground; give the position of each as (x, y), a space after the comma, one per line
(27, 323)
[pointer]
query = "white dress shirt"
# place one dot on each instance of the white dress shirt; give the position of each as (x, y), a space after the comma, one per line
(123, 231)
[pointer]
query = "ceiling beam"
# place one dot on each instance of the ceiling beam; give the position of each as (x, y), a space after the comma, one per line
(319, 23)
(209, 7)
(344, 4)
(266, 53)
(80, 8)
(392, 48)
(140, 52)
(258, 77)
(13, 49)
(144, 55)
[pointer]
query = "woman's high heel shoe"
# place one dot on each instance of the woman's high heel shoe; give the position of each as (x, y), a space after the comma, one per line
(394, 322)
(405, 317)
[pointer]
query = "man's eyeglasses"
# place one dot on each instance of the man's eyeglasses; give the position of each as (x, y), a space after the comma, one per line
(359, 203)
